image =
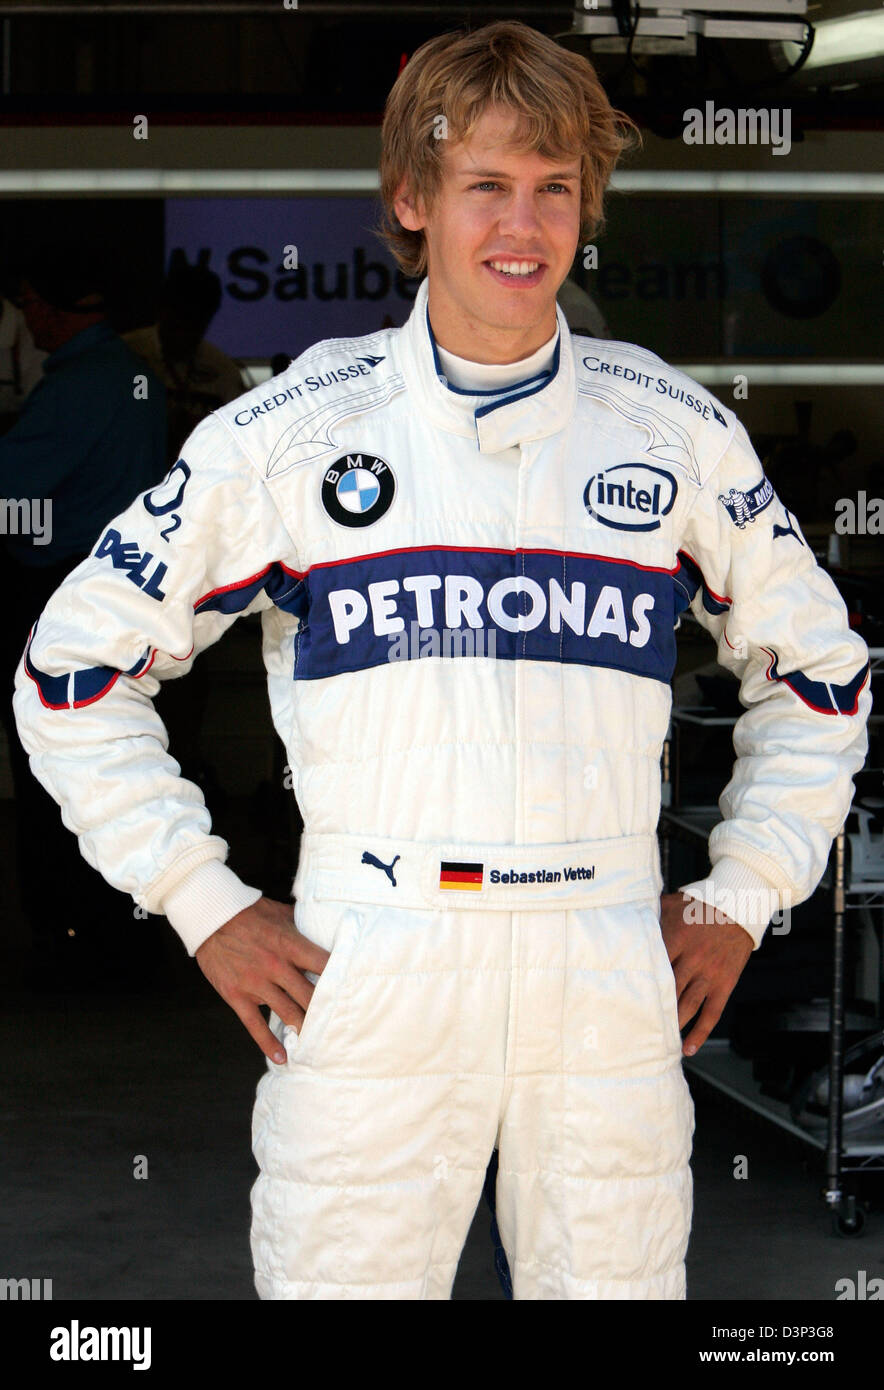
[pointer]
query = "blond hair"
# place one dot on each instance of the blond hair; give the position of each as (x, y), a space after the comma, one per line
(561, 106)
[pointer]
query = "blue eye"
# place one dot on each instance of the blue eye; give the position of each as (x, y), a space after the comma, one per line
(488, 183)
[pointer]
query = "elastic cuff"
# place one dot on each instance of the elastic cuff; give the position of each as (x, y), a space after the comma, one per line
(207, 898)
(741, 894)
(206, 847)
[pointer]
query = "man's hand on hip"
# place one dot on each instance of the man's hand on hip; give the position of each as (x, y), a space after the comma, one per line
(707, 959)
(257, 958)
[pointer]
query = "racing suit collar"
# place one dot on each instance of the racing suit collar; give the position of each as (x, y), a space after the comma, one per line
(531, 409)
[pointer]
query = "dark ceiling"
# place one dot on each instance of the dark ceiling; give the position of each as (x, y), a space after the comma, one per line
(254, 61)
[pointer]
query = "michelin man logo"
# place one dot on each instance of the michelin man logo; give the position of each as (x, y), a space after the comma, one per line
(743, 507)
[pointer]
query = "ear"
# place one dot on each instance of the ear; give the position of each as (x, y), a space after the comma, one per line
(410, 211)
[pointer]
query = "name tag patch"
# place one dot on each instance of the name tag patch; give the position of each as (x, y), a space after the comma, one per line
(462, 877)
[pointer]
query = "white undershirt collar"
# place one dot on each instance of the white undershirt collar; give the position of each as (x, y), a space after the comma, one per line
(495, 376)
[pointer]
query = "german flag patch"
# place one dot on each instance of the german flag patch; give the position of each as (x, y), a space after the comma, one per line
(462, 877)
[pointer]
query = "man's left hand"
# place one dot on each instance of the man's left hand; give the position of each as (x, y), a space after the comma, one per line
(708, 952)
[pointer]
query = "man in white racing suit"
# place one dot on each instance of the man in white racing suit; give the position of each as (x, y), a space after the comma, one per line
(470, 540)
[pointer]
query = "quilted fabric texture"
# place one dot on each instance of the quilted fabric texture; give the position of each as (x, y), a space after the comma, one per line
(431, 1039)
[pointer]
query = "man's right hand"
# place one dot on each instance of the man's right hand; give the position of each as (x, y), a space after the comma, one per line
(257, 958)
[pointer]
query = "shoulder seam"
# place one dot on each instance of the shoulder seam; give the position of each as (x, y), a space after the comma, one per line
(238, 444)
(247, 456)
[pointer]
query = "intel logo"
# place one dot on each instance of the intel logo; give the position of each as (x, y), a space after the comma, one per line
(630, 496)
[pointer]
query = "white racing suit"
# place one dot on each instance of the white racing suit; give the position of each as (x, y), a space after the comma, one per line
(480, 855)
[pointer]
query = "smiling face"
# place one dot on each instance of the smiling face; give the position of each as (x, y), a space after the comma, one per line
(499, 209)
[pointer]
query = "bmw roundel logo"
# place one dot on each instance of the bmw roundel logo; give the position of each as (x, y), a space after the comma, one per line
(358, 489)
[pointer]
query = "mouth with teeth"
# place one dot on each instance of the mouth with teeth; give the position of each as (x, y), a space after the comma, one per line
(520, 274)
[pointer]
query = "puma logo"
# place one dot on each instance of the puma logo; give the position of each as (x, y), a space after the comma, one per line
(376, 863)
(787, 530)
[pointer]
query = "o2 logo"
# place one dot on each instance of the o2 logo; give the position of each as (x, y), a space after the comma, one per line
(163, 507)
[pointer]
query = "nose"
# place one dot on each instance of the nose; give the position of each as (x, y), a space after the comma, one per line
(520, 215)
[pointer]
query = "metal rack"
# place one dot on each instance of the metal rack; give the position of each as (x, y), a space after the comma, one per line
(716, 1063)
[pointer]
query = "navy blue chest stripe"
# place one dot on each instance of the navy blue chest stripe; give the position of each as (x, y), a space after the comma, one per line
(500, 604)
(532, 605)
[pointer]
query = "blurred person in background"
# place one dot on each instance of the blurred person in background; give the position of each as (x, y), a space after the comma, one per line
(198, 376)
(89, 438)
(21, 363)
